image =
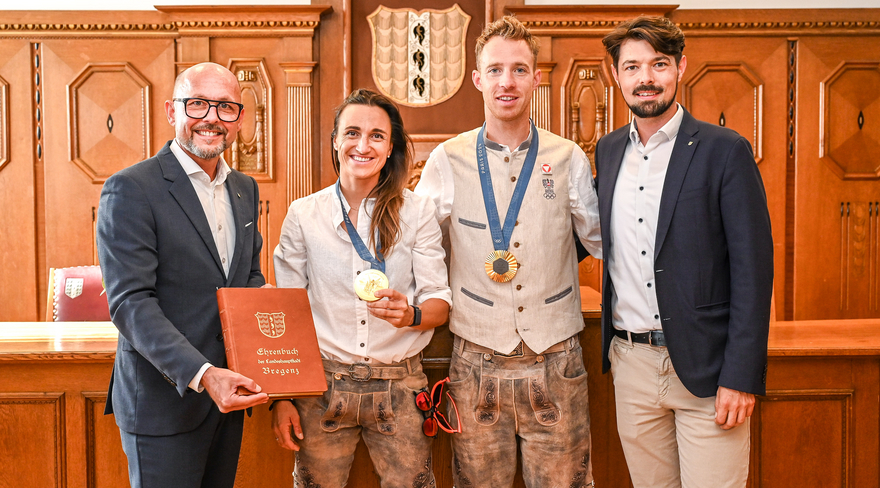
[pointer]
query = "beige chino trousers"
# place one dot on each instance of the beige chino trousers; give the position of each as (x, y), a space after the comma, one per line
(669, 436)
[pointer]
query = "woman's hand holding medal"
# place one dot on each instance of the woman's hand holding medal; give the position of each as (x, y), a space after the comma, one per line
(395, 310)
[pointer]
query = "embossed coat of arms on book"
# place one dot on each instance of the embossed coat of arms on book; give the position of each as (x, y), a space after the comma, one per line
(270, 338)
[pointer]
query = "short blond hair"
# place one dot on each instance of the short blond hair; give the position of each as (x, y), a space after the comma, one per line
(507, 27)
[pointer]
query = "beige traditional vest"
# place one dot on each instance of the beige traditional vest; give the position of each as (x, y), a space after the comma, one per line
(541, 305)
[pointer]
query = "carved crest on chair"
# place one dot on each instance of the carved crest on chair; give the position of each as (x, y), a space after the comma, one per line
(73, 287)
(418, 56)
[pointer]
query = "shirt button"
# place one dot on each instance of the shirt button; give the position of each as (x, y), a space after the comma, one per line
(641, 188)
(519, 287)
(223, 260)
(643, 253)
(487, 356)
(362, 344)
(516, 223)
(646, 158)
(649, 285)
(520, 309)
(358, 272)
(506, 159)
(364, 321)
(515, 244)
(656, 316)
(219, 226)
(513, 178)
(641, 220)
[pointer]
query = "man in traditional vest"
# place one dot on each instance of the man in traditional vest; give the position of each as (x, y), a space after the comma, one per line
(513, 194)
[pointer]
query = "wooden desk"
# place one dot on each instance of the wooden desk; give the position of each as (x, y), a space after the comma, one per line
(819, 421)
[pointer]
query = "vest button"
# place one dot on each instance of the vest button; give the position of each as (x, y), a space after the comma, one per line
(540, 358)
(337, 376)
(487, 356)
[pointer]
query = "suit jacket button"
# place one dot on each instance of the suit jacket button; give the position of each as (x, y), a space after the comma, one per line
(220, 337)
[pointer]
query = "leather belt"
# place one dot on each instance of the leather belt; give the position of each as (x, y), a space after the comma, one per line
(653, 338)
(376, 371)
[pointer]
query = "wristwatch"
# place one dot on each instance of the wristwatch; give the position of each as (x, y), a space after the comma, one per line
(417, 316)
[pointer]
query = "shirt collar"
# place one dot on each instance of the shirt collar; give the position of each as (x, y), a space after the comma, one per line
(190, 167)
(669, 130)
(490, 144)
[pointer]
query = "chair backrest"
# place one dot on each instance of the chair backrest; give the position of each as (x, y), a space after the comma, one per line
(77, 294)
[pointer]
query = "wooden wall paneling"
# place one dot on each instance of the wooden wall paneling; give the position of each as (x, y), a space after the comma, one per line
(35, 421)
(99, 118)
(836, 178)
(819, 421)
(18, 230)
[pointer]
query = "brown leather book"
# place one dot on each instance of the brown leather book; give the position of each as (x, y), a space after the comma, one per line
(270, 338)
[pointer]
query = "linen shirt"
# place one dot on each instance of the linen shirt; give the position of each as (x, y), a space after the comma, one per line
(316, 253)
(634, 216)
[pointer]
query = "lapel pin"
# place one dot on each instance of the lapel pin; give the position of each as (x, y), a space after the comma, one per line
(239, 195)
(691, 143)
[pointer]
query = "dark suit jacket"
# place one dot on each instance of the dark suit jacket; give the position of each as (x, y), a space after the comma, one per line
(162, 270)
(713, 257)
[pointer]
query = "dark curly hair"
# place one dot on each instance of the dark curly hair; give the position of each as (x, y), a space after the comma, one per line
(661, 33)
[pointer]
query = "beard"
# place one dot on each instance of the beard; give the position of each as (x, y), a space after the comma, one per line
(654, 108)
(205, 152)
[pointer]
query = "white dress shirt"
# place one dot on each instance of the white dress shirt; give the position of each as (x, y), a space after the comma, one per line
(218, 210)
(316, 253)
(634, 215)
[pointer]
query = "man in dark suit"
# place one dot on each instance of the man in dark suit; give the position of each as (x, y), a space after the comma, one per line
(171, 231)
(688, 273)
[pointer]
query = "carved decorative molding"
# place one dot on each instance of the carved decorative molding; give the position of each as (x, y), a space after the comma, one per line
(859, 255)
(300, 130)
(251, 152)
(4, 123)
(175, 21)
(847, 143)
(730, 95)
(98, 92)
(587, 102)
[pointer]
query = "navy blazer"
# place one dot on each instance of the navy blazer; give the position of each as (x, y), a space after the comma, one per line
(162, 270)
(713, 257)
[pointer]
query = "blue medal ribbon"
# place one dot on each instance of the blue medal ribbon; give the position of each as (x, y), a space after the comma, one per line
(501, 236)
(377, 262)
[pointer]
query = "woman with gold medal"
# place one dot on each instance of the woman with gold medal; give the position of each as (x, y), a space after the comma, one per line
(368, 252)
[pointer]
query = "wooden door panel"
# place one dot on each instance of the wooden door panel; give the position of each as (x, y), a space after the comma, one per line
(100, 116)
(835, 261)
(18, 260)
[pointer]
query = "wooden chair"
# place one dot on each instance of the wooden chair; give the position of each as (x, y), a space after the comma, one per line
(76, 294)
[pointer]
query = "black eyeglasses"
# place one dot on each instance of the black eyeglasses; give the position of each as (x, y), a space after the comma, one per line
(198, 108)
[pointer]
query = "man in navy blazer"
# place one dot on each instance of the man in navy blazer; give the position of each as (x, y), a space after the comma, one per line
(171, 230)
(688, 273)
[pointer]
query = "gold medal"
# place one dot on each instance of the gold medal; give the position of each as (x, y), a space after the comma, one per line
(369, 281)
(501, 266)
